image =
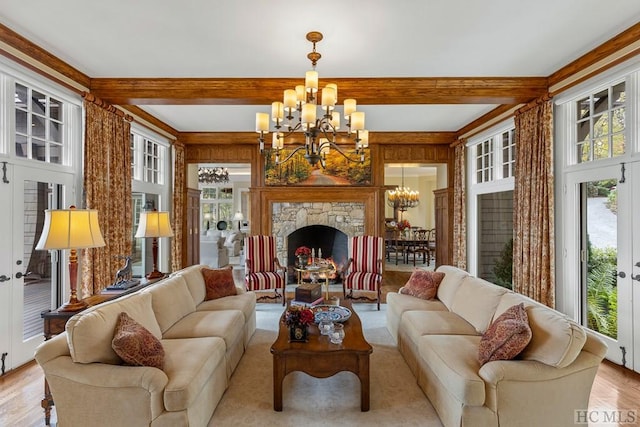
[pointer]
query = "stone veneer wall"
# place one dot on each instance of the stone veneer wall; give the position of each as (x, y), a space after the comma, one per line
(347, 217)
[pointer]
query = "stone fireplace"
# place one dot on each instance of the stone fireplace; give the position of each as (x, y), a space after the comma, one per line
(346, 218)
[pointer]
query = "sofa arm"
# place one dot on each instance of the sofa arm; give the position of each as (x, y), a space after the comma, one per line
(50, 349)
(137, 391)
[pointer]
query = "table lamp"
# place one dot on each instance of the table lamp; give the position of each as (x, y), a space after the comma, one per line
(154, 224)
(238, 217)
(71, 229)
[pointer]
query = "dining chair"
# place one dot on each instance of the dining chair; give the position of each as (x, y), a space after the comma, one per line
(419, 245)
(263, 270)
(364, 267)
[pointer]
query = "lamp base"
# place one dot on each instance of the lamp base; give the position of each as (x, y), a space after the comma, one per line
(76, 305)
(155, 274)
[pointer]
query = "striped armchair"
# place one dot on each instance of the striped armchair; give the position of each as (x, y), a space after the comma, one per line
(263, 271)
(363, 271)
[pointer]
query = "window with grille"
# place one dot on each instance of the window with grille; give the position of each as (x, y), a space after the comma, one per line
(484, 161)
(508, 153)
(600, 124)
(39, 125)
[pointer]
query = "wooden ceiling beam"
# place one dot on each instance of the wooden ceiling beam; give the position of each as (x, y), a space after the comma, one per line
(235, 138)
(368, 91)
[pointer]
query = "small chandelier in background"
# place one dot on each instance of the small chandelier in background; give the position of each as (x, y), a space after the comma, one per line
(402, 198)
(320, 132)
(215, 175)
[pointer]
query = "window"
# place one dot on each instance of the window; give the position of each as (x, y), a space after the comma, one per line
(508, 153)
(600, 124)
(484, 161)
(148, 160)
(216, 205)
(39, 125)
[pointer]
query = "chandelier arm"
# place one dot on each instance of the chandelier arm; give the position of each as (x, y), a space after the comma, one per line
(339, 150)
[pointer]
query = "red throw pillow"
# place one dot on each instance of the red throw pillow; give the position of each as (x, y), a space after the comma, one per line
(506, 337)
(135, 344)
(423, 284)
(219, 282)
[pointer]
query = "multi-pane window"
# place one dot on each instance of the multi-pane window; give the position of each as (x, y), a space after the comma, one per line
(39, 124)
(148, 159)
(484, 161)
(216, 205)
(508, 153)
(600, 124)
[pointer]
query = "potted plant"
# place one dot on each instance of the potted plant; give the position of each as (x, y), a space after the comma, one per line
(298, 319)
(303, 253)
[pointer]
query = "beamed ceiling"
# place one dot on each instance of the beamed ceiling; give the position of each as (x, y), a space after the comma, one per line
(422, 71)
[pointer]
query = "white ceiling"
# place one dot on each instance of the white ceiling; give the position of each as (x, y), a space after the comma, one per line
(373, 38)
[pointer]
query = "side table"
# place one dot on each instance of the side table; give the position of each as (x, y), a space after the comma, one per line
(55, 322)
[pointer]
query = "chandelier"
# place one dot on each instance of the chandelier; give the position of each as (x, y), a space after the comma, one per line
(402, 198)
(215, 175)
(298, 112)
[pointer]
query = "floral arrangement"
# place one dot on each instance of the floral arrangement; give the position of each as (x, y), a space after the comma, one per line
(298, 315)
(403, 225)
(303, 251)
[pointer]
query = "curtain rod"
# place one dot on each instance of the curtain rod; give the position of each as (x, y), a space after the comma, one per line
(89, 97)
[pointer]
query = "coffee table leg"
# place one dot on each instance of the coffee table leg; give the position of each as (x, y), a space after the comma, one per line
(278, 377)
(363, 374)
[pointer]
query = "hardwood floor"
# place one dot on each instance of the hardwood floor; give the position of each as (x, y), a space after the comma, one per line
(614, 389)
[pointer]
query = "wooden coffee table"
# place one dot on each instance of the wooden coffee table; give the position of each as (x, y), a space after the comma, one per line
(321, 359)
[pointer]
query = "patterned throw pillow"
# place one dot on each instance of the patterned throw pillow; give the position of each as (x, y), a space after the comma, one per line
(219, 282)
(423, 284)
(135, 344)
(506, 337)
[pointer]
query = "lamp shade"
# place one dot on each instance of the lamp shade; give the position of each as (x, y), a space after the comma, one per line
(238, 216)
(154, 224)
(70, 229)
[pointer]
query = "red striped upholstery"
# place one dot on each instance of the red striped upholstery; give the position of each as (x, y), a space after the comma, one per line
(365, 271)
(261, 265)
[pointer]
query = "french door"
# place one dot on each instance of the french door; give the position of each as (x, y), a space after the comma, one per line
(30, 280)
(604, 255)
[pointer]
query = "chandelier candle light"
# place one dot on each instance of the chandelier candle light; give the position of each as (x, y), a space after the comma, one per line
(402, 198)
(320, 132)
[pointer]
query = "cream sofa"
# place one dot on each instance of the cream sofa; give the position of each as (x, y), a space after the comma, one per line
(439, 340)
(203, 343)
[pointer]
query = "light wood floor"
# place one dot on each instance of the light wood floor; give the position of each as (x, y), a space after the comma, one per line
(615, 388)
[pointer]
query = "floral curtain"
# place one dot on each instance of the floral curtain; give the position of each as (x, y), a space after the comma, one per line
(459, 208)
(533, 246)
(179, 185)
(107, 188)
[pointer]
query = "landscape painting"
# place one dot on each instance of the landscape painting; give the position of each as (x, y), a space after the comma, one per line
(297, 170)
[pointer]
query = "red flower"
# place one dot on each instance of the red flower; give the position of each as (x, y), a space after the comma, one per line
(298, 315)
(303, 251)
(404, 224)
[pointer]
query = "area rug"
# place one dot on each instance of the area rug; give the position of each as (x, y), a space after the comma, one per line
(396, 399)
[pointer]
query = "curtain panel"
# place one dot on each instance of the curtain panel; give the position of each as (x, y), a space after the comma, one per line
(107, 188)
(459, 207)
(179, 202)
(533, 246)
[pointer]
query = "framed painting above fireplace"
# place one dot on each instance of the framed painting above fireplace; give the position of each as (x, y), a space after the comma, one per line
(298, 171)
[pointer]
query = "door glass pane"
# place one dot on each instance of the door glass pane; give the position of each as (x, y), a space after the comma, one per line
(495, 239)
(40, 274)
(600, 225)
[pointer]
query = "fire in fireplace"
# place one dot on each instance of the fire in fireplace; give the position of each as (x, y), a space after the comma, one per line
(331, 241)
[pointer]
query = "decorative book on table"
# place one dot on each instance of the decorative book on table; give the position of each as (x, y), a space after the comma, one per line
(307, 304)
(308, 292)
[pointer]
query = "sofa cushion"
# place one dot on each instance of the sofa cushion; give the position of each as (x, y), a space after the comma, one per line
(453, 277)
(135, 344)
(195, 282)
(171, 300)
(245, 302)
(423, 284)
(89, 333)
(506, 337)
(453, 359)
(476, 300)
(419, 322)
(218, 282)
(189, 365)
(226, 324)
(556, 340)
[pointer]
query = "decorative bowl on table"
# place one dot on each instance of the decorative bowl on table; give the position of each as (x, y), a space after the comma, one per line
(334, 313)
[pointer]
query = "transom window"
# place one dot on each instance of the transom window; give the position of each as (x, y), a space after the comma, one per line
(495, 156)
(600, 124)
(148, 159)
(508, 153)
(39, 126)
(484, 161)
